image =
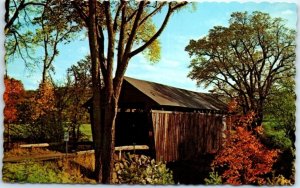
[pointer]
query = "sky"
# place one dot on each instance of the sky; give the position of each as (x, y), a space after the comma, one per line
(172, 69)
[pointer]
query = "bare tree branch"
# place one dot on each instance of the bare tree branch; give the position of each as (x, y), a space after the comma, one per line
(157, 34)
(22, 5)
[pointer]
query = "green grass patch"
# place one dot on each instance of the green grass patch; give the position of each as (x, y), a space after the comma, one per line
(86, 130)
(42, 172)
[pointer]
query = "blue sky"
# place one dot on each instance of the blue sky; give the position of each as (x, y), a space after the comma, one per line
(172, 69)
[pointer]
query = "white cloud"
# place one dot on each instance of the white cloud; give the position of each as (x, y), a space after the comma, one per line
(168, 71)
(170, 63)
(287, 12)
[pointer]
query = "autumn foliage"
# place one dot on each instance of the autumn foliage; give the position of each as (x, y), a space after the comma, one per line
(44, 101)
(13, 95)
(243, 159)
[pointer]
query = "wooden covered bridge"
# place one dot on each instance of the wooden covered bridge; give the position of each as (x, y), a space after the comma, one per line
(176, 124)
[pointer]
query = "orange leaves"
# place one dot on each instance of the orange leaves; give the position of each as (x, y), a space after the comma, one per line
(13, 94)
(246, 119)
(232, 106)
(44, 101)
(243, 159)
(259, 129)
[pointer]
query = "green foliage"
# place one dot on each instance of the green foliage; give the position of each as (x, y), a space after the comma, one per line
(131, 169)
(37, 131)
(214, 179)
(86, 132)
(275, 136)
(60, 171)
(135, 169)
(32, 172)
(280, 116)
(18, 37)
(40, 121)
(145, 32)
(45, 129)
(279, 125)
(18, 132)
(72, 97)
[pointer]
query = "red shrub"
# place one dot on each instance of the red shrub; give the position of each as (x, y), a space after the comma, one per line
(243, 158)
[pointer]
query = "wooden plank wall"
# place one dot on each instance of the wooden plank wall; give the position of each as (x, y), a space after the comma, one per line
(186, 135)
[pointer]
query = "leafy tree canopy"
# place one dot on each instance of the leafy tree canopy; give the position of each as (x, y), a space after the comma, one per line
(127, 31)
(245, 59)
(18, 17)
(280, 116)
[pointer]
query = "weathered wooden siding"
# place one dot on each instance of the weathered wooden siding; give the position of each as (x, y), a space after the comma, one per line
(184, 135)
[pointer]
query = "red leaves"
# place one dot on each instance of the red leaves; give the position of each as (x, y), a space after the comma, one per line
(13, 95)
(244, 159)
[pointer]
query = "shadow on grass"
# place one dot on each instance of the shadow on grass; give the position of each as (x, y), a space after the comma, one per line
(191, 171)
(83, 170)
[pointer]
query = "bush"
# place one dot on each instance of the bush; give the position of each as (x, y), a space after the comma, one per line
(243, 158)
(131, 169)
(214, 179)
(279, 180)
(40, 172)
(140, 169)
(275, 136)
(32, 172)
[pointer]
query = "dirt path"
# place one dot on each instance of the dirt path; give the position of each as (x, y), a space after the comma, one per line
(41, 157)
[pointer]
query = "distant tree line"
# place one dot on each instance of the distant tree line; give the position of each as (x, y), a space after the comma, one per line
(43, 115)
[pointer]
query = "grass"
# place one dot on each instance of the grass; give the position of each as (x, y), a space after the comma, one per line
(131, 169)
(86, 130)
(58, 171)
(61, 171)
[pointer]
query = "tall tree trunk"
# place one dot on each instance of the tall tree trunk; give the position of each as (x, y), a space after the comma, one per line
(109, 140)
(97, 130)
(96, 85)
(104, 136)
(111, 110)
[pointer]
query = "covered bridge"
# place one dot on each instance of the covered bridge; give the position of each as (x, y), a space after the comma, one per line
(176, 124)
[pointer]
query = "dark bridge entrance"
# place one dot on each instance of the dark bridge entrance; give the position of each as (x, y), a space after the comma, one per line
(132, 128)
